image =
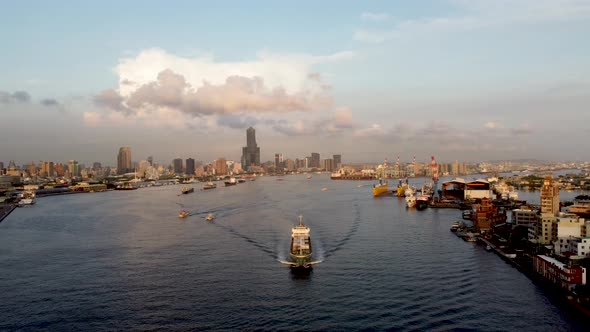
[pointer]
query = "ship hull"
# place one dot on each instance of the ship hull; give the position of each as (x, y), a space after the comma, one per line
(380, 190)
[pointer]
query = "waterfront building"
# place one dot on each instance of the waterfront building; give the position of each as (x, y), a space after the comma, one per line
(307, 162)
(545, 230)
(570, 231)
(477, 189)
(328, 165)
(251, 152)
(73, 168)
(315, 160)
(487, 215)
(337, 161)
(584, 247)
(290, 165)
(455, 168)
(177, 166)
(1, 168)
(559, 273)
(550, 197)
(525, 216)
(278, 163)
(12, 170)
(190, 167)
(124, 164)
(220, 166)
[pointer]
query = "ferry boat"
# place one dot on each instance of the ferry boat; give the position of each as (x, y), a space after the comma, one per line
(209, 185)
(187, 190)
(183, 214)
(27, 198)
(210, 217)
(231, 182)
(380, 188)
(300, 246)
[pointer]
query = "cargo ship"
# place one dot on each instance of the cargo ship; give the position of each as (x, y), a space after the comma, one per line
(380, 188)
(300, 247)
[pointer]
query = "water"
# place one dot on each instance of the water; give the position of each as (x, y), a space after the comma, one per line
(123, 260)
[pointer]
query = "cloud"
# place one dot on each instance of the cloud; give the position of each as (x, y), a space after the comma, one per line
(375, 17)
(17, 97)
(237, 94)
(92, 119)
(49, 102)
(479, 14)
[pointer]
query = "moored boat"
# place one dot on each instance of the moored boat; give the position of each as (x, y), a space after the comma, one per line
(209, 185)
(27, 198)
(126, 186)
(380, 188)
(411, 201)
(231, 182)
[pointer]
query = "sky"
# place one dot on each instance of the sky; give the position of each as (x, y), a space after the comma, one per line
(468, 80)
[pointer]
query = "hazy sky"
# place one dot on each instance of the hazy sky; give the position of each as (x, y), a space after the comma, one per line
(460, 79)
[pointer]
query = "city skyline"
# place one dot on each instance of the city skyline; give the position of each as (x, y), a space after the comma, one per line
(467, 80)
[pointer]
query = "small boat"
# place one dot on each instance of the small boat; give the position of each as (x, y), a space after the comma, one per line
(309, 177)
(380, 188)
(241, 180)
(126, 186)
(411, 201)
(209, 185)
(210, 217)
(183, 214)
(488, 248)
(455, 226)
(27, 198)
(231, 182)
(187, 190)
(324, 189)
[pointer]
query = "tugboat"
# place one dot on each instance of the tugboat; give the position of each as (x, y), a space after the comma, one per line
(231, 182)
(209, 185)
(187, 190)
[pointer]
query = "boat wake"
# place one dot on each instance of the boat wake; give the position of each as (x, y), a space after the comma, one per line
(351, 232)
(264, 248)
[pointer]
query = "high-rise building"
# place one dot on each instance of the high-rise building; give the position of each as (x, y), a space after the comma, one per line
(337, 161)
(150, 160)
(190, 166)
(328, 165)
(124, 160)
(549, 197)
(251, 152)
(177, 166)
(73, 168)
(455, 168)
(96, 166)
(315, 160)
(220, 166)
(278, 163)
(1, 168)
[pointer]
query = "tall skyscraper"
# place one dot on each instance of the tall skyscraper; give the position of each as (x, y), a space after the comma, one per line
(177, 165)
(278, 163)
(96, 166)
(337, 161)
(150, 160)
(124, 160)
(251, 152)
(315, 160)
(549, 197)
(190, 166)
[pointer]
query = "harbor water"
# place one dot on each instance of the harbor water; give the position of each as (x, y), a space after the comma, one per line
(124, 260)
